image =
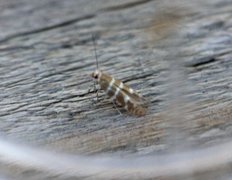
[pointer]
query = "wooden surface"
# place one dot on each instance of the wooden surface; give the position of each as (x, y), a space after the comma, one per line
(178, 56)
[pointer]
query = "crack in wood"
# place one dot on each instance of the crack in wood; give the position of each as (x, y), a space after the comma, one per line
(126, 5)
(48, 28)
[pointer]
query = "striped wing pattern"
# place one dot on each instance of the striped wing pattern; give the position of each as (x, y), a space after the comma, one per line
(121, 93)
(133, 102)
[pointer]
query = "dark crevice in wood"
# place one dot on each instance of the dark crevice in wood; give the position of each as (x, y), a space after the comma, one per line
(13, 110)
(16, 83)
(203, 61)
(214, 25)
(81, 42)
(206, 60)
(125, 6)
(13, 48)
(143, 76)
(18, 109)
(43, 29)
(77, 95)
(63, 71)
(54, 102)
(67, 44)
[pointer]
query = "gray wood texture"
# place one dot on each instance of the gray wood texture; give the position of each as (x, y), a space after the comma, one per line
(177, 55)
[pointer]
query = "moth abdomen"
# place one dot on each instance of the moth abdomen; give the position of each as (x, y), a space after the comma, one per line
(134, 107)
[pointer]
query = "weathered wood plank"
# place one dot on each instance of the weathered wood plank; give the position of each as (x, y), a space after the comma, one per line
(46, 57)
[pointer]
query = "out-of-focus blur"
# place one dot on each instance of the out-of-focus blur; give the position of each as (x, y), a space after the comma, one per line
(180, 53)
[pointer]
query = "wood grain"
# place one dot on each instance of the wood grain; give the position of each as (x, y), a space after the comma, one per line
(178, 57)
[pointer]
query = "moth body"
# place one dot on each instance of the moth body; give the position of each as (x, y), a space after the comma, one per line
(121, 93)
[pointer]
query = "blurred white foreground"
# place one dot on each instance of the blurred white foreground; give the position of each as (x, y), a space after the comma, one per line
(178, 165)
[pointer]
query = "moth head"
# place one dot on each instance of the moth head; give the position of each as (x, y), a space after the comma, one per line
(96, 74)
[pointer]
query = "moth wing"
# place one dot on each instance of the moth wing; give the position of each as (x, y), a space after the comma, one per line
(140, 105)
(134, 96)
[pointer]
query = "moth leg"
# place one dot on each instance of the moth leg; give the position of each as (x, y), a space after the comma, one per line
(94, 87)
(96, 90)
(116, 108)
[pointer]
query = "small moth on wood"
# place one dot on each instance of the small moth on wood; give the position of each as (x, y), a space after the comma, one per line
(119, 92)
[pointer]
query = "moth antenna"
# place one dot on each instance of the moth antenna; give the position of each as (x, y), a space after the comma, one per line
(95, 49)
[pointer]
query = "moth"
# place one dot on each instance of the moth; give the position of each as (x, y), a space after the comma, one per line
(119, 92)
